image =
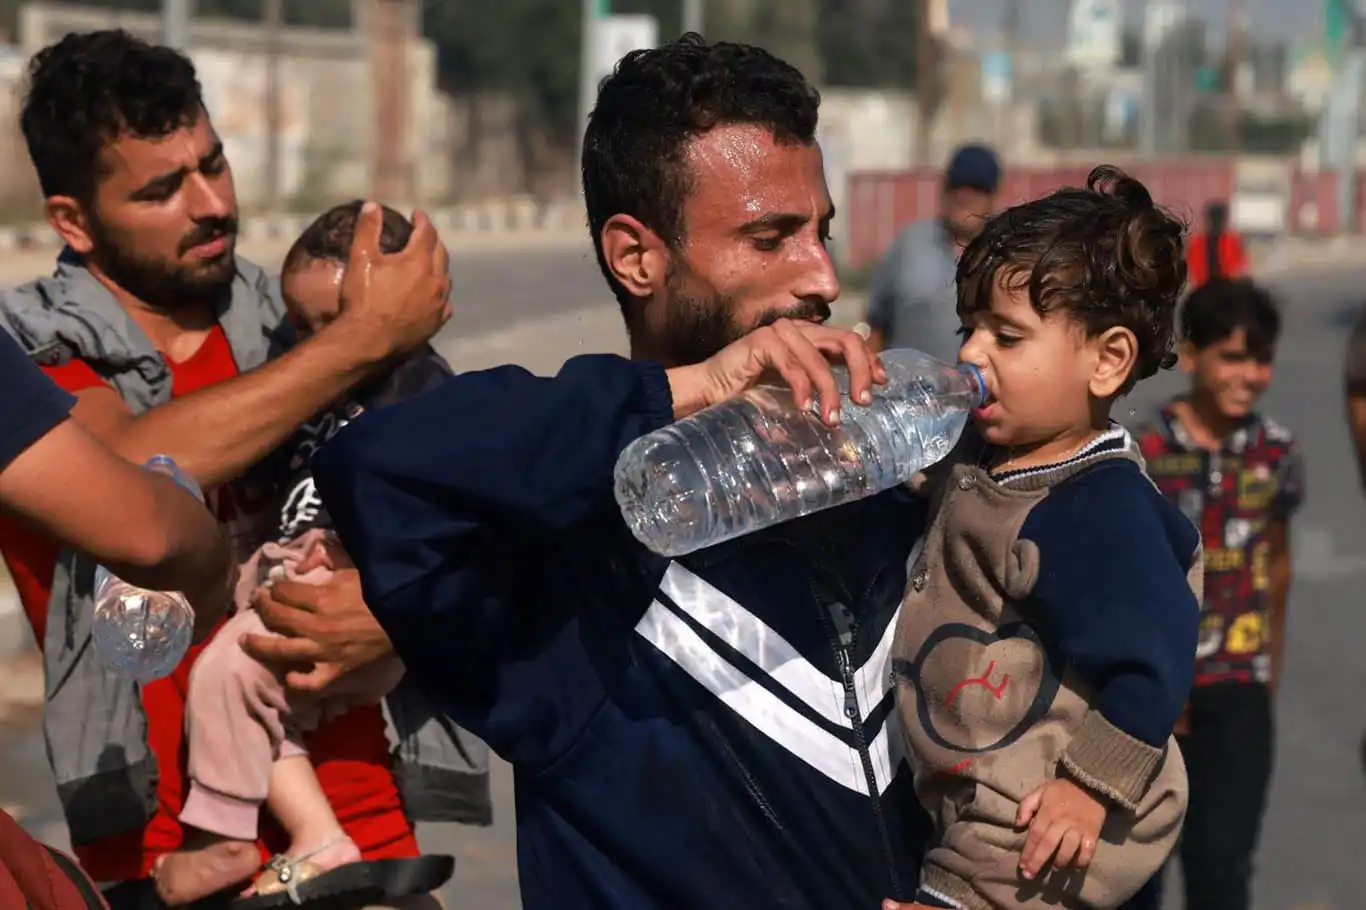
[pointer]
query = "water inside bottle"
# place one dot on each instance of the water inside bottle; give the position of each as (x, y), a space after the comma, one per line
(141, 634)
(758, 459)
(761, 460)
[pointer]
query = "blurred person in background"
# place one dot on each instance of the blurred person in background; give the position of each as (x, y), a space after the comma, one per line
(1217, 251)
(1239, 476)
(912, 301)
(168, 341)
(1354, 387)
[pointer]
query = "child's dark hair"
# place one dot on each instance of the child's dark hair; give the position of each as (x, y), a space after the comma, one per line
(1105, 255)
(329, 237)
(1222, 306)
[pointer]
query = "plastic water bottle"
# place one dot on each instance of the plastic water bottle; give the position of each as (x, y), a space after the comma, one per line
(142, 634)
(758, 459)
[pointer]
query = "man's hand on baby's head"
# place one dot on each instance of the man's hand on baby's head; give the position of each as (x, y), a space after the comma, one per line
(1064, 822)
(397, 301)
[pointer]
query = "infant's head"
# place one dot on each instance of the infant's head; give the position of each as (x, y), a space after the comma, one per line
(312, 275)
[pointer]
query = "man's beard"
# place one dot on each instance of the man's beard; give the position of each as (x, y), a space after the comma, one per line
(697, 328)
(172, 285)
(965, 231)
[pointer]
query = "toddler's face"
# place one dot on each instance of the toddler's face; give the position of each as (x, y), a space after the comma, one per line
(312, 292)
(1039, 370)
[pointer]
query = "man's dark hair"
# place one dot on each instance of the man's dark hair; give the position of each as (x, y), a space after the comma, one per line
(1105, 255)
(330, 235)
(92, 87)
(1221, 306)
(655, 103)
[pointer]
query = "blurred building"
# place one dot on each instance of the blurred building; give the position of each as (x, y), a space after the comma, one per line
(328, 112)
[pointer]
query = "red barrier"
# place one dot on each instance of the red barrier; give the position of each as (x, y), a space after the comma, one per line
(883, 202)
(1313, 203)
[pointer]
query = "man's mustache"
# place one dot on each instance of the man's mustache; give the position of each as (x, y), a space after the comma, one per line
(817, 310)
(208, 230)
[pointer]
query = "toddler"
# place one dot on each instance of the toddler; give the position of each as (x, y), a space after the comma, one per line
(1044, 648)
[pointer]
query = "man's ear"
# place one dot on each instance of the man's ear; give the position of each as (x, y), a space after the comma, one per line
(1116, 353)
(68, 218)
(636, 256)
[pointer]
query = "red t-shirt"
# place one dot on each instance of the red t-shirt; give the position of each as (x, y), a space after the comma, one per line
(1232, 258)
(351, 753)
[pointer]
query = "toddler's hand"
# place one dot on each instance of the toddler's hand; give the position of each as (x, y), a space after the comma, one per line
(1063, 819)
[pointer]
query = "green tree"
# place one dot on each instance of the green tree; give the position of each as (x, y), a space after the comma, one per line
(869, 43)
(318, 13)
(529, 48)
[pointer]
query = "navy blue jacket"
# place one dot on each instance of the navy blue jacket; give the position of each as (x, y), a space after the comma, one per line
(714, 731)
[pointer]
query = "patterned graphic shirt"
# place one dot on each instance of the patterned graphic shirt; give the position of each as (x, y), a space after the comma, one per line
(1232, 495)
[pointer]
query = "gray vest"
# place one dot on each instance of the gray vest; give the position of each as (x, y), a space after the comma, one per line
(94, 723)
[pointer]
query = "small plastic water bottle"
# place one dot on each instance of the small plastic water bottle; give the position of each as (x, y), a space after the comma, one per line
(758, 459)
(142, 634)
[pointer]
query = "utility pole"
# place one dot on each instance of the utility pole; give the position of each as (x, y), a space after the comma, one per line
(1010, 29)
(1159, 17)
(393, 24)
(175, 23)
(274, 22)
(1347, 100)
(1237, 53)
(692, 16)
(926, 80)
(592, 12)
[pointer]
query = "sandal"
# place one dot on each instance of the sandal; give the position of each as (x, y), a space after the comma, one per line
(296, 882)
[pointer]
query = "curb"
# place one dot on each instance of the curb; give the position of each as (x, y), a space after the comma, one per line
(518, 216)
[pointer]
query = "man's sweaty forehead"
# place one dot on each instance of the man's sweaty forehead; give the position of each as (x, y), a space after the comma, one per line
(740, 173)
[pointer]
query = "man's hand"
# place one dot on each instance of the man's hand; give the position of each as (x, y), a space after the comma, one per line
(394, 303)
(1064, 826)
(792, 351)
(893, 905)
(328, 631)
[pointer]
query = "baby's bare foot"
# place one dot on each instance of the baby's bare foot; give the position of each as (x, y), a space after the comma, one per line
(206, 865)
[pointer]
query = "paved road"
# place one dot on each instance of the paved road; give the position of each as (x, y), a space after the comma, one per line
(1317, 821)
(498, 282)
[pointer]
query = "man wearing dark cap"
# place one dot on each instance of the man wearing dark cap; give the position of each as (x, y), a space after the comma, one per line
(912, 301)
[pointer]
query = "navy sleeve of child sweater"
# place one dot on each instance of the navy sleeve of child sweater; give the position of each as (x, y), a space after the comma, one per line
(1114, 590)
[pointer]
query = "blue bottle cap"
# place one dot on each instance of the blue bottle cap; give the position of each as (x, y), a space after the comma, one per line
(979, 379)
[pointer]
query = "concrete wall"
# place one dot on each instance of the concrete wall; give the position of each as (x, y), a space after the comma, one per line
(874, 130)
(327, 101)
(20, 199)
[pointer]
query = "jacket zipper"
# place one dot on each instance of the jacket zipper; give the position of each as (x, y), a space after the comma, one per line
(851, 711)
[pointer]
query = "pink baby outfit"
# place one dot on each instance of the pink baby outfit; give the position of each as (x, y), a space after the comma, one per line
(240, 719)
